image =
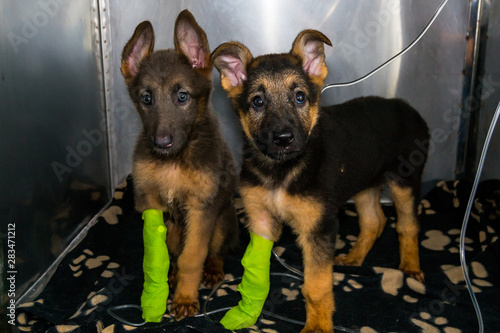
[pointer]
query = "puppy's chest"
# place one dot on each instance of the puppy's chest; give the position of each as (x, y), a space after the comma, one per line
(300, 211)
(172, 182)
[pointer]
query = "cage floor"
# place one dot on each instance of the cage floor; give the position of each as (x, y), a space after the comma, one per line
(105, 270)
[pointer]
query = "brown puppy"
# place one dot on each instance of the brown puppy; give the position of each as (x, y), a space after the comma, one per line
(302, 162)
(181, 163)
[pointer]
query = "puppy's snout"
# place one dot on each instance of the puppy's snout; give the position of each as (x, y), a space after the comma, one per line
(283, 138)
(163, 142)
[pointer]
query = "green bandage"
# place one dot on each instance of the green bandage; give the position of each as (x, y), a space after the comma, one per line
(155, 265)
(254, 286)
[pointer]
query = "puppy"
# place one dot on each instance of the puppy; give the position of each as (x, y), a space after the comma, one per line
(181, 163)
(302, 162)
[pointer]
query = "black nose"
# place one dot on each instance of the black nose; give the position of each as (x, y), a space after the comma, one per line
(283, 138)
(163, 141)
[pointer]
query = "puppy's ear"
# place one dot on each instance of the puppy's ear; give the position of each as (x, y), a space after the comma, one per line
(139, 47)
(191, 41)
(309, 47)
(231, 59)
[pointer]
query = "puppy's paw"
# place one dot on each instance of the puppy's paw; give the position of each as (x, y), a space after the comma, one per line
(346, 260)
(184, 307)
(416, 274)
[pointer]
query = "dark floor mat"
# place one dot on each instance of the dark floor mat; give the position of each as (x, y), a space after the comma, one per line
(105, 270)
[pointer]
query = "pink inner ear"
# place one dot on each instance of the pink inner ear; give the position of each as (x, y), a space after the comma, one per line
(191, 45)
(313, 66)
(313, 59)
(233, 70)
(196, 56)
(136, 55)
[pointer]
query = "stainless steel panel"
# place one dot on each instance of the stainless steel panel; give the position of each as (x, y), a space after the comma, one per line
(490, 92)
(54, 164)
(467, 154)
(364, 33)
(429, 76)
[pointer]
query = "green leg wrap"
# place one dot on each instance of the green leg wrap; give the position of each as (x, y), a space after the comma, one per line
(254, 286)
(155, 265)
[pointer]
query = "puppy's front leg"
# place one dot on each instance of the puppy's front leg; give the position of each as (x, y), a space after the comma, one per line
(255, 283)
(317, 289)
(199, 228)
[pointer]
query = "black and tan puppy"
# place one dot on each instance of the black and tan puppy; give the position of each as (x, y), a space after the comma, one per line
(181, 163)
(302, 161)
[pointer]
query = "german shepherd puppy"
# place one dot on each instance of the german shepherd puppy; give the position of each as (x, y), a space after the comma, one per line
(302, 162)
(181, 163)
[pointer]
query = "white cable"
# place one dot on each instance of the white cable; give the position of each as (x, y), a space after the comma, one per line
(466, 219)
(397, 55)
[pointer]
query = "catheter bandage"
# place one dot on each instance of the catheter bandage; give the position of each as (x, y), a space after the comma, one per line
(254, 286)
(155, 265)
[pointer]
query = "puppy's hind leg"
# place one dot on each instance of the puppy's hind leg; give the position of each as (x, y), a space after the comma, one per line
(407, 228)
(371, 224)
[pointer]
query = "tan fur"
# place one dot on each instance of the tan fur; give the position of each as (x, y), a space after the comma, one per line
(171, 182)
(317, 290)
(266, 209)
(190, 263)
(407, 228)
(371, 223)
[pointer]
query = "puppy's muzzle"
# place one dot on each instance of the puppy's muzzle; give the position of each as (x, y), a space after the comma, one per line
(280, 143)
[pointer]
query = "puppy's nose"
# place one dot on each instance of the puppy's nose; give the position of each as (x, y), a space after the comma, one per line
(163, 141)
(283, 138)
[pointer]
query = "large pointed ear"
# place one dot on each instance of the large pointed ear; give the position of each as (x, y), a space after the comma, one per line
(139, 47)
(231, 60)
(309, 47)
(191, 40)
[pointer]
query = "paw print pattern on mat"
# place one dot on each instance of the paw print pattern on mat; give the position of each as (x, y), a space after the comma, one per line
(431, 324)
(438, 241)
(88, 261)
(444, 186)
(367, 329)
(424, 207)
(478, 274)
(110, 215)
(346, 281)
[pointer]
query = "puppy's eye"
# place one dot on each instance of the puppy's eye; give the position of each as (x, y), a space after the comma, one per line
(300, 97)
(257, 102)
(146, 98)
(182, 96)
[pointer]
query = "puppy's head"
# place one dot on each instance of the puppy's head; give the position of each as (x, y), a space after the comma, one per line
(276, 95)
(170, 88)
